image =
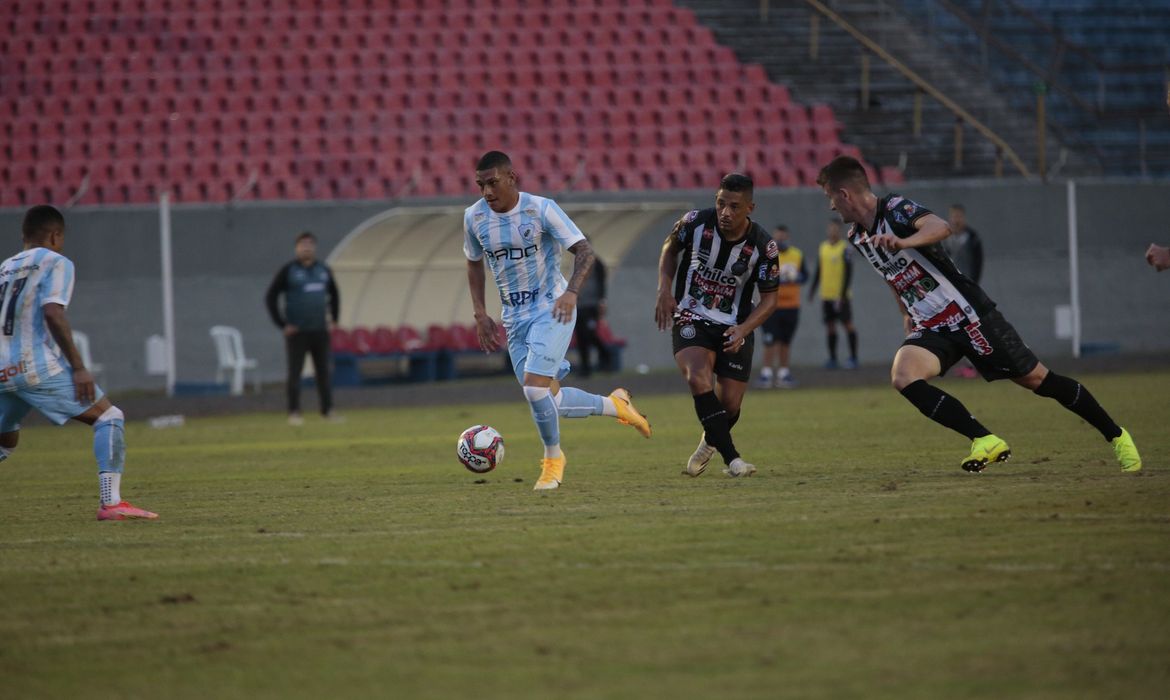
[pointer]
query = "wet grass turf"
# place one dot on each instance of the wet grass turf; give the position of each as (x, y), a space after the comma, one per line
(362, 560)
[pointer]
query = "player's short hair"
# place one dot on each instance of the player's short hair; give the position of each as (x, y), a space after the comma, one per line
(780, 227)
(843, 171)
(959, 207)
(738, 182)
(306, 234)
(40, 221)
(492, 160)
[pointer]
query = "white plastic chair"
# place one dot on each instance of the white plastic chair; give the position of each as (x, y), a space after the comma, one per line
(229, 350)
(81, 342)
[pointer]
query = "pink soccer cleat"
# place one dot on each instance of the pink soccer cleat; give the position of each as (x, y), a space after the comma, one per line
(124, 511)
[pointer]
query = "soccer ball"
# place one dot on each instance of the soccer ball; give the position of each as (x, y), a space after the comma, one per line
(480, 448)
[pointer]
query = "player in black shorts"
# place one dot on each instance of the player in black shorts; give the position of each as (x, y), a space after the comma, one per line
(947, 316)
(711, 263)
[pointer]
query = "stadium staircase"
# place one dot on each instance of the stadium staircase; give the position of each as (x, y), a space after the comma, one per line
(115, 101)
(883, 128)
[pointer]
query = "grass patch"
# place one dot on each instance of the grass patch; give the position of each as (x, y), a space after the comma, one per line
(362, 560)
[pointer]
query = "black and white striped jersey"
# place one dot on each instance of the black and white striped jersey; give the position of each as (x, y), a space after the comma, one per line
(716, 278)
(934, 292)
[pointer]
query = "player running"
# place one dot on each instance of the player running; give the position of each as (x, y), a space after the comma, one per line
(521, 237)
(42, 368)
(947, 317)
(706, 298)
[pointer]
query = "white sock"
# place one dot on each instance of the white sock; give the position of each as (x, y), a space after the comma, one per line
(608, 407)
(111, 487)
(784, 373)
(553, 451)
(765, 373)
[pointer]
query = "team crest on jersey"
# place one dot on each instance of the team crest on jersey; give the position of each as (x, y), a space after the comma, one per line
(687, 332)
(527, 230)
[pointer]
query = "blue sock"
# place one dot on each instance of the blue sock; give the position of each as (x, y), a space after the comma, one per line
(109, 445)
(575, 403)
(544, 414)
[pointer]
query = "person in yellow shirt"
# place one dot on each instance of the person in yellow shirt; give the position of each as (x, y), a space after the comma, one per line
(832, 277)
(781, 325)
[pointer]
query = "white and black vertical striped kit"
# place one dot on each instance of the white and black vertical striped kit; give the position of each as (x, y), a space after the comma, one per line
(715, 279)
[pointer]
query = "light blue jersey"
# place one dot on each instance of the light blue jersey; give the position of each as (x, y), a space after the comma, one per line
(523, 250)
(28, 281)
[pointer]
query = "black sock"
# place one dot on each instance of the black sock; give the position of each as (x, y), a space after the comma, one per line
(833, 346)
(944, 409)
(1075, 397)
(714, 419)
(732, 419)
(853, 345)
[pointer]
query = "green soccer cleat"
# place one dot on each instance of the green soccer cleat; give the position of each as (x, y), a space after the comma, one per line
(1126, 451)
(984, 451)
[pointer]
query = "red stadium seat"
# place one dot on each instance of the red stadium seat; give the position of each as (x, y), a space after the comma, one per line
(311, 85)
(342, 341)
(363, 340)
(385, 341)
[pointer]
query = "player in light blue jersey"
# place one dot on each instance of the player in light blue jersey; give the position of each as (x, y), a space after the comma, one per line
(521, 236)
(42, 368)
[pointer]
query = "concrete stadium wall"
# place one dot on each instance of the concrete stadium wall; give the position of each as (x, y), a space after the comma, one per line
(226, 256)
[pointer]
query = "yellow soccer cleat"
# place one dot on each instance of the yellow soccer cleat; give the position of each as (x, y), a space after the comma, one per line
(984, 451)
(1126, 451)
(552, 472)
(627, 414)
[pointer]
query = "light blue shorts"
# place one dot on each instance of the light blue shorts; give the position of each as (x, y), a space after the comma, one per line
(538, 346)
(55, 398)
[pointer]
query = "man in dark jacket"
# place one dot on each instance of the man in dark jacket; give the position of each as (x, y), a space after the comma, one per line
(310, 294)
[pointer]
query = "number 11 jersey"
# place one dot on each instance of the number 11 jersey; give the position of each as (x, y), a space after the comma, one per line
(29, 280)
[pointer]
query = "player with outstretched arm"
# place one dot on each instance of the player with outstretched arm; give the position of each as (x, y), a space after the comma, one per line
(520, 236)
(947, 317)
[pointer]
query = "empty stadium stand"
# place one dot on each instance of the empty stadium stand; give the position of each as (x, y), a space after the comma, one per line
(114, 101)
(1104, 63)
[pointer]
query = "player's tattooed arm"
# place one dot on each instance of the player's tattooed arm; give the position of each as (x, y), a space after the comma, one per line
(583, 258)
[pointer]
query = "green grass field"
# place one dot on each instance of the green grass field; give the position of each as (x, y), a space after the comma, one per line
(362, 560)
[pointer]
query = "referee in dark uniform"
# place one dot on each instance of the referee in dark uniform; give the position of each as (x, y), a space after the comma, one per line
(309, 294)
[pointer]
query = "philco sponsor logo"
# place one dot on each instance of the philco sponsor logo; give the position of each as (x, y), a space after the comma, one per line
(894, 267)
(12, 371)
(710, 273)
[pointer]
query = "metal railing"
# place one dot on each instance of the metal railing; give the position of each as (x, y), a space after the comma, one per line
(962, 115)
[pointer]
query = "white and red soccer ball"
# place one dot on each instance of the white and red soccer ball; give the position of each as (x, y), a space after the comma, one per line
(480, 448)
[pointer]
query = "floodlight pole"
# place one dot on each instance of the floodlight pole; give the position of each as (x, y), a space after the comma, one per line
(1074, 275)
(168, 286)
